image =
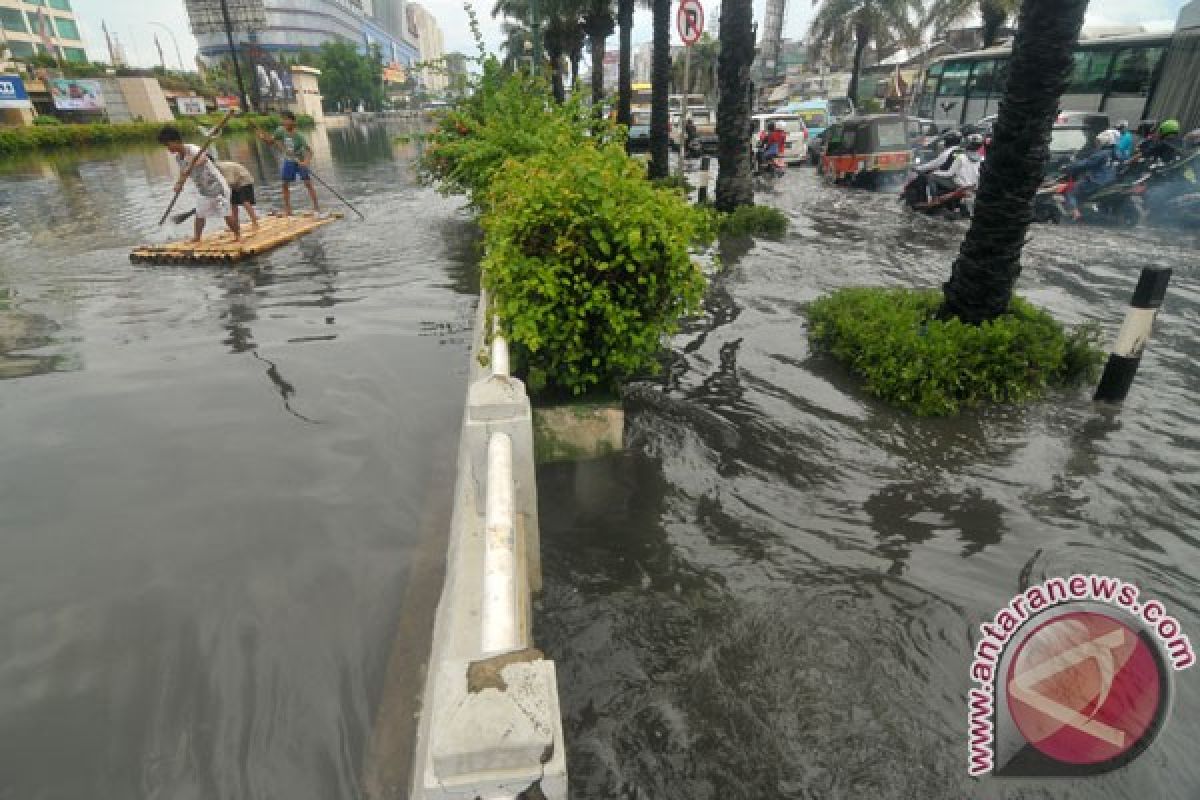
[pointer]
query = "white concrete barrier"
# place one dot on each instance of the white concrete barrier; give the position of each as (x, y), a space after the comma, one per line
(490, 725)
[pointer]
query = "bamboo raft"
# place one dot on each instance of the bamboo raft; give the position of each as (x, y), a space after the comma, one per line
(274, 230)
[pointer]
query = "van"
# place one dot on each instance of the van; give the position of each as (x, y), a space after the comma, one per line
(796, 148)
(818, 115)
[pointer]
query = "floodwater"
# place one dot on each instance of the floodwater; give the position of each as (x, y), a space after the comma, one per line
(775, 591)
(223, 491)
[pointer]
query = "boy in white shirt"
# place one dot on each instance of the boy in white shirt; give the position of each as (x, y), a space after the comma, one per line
(210, 185)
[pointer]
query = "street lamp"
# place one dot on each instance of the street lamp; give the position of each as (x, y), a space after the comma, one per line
(174, 41)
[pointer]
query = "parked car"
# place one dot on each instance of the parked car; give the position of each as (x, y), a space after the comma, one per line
(706, 127)
(639, 130)
(869, 151)
(796, 149)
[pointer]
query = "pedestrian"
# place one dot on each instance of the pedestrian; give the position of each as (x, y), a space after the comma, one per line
(213, 202)
(296, 156)
(241, 189)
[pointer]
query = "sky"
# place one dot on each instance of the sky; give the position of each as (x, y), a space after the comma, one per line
(127, 19)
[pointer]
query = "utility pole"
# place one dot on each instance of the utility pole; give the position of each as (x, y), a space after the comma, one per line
(174, 41)
(237, 69)
(535, 25)
(161, 60)
(112, 54)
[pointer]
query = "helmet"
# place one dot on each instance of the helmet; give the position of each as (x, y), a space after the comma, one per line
(974, 141)
(1106, 138)
(1169, 128)
(952, 138)
(1123, 124)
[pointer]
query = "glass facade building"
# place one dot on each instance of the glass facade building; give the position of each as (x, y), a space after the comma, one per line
(29, 27)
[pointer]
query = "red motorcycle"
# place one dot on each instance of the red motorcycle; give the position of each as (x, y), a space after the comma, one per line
(918, 196)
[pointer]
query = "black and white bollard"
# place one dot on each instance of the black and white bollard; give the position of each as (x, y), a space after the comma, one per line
(702, 195)
(1135, 332)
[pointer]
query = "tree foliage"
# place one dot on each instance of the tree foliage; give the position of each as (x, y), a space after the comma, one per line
(349, 78)
(839, 24)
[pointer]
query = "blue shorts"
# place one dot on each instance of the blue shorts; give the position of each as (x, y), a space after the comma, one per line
(292, 170)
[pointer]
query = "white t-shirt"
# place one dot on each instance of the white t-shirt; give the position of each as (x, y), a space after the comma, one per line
(206, 177)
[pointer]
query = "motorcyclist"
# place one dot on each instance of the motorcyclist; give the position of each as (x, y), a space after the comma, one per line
(1092, 172)
(951, 142)
(1166, 146)
(691, 137)
(1124, 148)
(771, 143)
(963, 170)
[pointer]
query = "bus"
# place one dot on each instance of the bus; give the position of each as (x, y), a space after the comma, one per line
(1116, 75)
(640, 97)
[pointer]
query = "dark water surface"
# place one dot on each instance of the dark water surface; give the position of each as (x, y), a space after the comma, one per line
(217, 483)
(775, 592)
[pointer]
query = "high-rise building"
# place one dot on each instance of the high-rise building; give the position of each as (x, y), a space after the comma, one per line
(423, 27)
(293, 26)
(46, 26)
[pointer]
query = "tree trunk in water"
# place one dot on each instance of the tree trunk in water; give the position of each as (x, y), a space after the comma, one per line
(734, 187)
(624, 82)
(989, 261)
(660, 80)
(861, 37)
(597, 39)
(993, 17)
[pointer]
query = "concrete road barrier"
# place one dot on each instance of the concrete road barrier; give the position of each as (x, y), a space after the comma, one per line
(490, 725)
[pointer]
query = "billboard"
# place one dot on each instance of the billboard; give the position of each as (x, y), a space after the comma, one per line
(228, 101)
(12, 93)
(190, 106)
(272, 81)
(244, 15)
(71, 94)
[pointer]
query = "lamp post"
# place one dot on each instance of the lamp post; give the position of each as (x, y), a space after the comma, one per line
(237, 69)
(174, 41)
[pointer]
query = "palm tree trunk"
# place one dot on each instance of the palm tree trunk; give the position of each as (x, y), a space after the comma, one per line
(624, 83)
(556, 76)
(989, 261)
(734, 187)
(993, 17)
(660, 80)
(597, 37)
(862, 36)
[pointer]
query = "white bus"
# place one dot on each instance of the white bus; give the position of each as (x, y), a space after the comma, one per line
(1116, 75)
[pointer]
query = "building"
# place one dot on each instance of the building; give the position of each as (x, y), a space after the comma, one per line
(294, 26)
(307, 92)
(423, 28)
(46, 26)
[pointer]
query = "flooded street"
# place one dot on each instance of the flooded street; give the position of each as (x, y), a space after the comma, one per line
(223, 491)
(776, 590)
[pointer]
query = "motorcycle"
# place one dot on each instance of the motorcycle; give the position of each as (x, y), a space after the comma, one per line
(917, 195)
(1141, 190)
(766, 169)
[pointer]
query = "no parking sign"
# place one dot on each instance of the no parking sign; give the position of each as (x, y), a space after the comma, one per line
(689, 19)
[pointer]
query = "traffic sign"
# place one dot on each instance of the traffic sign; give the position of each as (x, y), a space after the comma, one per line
(690, 21)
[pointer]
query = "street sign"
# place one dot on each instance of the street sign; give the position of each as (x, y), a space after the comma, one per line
(12, 92)
(690, 21)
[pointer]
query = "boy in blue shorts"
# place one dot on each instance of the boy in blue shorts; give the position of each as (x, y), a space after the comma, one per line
(296, 155)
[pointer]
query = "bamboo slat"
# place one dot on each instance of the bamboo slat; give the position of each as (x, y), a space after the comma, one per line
(274, 230)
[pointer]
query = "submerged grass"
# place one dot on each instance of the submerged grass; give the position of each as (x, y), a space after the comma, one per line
(909, 358)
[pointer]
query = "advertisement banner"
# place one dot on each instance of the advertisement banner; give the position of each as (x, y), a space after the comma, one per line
(190, 106)
(227, 101)
(272, 81)
(70, 94)
(12, 93)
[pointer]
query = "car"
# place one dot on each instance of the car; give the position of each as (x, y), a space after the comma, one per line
(639, 130)
(795, 151)
(868, 151)
(819, 115)
(922, 137)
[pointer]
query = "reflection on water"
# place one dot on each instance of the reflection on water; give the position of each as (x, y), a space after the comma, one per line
(774, 592)
(219, 497)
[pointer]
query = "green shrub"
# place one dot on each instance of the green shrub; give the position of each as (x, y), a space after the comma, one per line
(908, 357)
(46, 119)
(753, 221)
(588, 265)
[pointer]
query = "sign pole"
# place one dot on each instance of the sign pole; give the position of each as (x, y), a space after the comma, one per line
(683, 111)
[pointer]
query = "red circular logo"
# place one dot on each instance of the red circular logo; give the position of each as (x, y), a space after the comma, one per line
(1084, 688)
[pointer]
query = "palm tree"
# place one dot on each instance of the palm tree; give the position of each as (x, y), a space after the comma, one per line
(516, 37)
(559, 27)
(700, 76)
(838, 22)
(993, 13)
(989, 261)
(624, 84)
(598, 23)
(734, 187)
(660, 79)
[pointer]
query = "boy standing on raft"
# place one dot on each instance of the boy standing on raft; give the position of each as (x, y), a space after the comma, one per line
(214, 192)
(241, 189)
(296, 155)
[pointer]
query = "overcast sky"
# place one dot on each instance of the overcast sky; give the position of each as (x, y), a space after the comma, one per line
(128, 20)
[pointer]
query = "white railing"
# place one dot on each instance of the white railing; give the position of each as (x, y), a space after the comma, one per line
(490, 725)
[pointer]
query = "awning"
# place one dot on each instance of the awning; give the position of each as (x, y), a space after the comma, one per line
(778, 95)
